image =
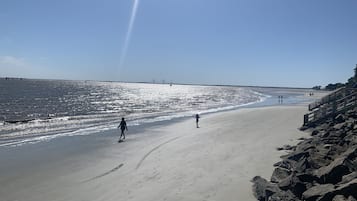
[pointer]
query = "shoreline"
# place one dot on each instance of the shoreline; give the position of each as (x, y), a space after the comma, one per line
(270, 100)
(173, 160)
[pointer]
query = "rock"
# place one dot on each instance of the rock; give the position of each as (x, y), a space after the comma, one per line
(306, 177)
(333, 173)
(286, 147)
(306, 145)
(339, 198)
(262, 189)
(351, 138)
(339, 118)
(279, 174)
(355, 127)
(286, 183)
(325, 134)
(350, 124)
(350, 153)
(338, 134)
(350, 198)
(343, 165)
(322, 167)
(343, 198)
(302, 138)
(317, 191)
(297, 186)
(331, 140)
(297, 155)
(340, 126)
(315, 132)
(283, 196)
(302, 165)
(287, 164)
(293, 184)
(349, 177)
(319, 157)
(348, 189)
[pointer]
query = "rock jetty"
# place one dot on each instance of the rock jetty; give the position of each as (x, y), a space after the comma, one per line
(321, 168)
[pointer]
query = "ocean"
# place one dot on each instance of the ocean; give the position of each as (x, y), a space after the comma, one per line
(38, 110)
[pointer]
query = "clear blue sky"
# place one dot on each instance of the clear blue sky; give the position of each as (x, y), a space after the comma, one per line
(297, 43)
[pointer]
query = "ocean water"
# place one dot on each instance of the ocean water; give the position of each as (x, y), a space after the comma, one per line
(38, 110)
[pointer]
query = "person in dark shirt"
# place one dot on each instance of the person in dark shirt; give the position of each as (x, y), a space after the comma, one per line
(197, 119)
(122, 127)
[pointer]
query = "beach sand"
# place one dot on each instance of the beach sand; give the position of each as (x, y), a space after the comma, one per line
(175, 161)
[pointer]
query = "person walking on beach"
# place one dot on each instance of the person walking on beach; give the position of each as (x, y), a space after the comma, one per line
(197, 119)
(280, 99)
(122, 127)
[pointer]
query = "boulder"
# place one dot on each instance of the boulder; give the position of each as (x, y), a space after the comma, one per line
(343, 165)
(351, 138)
(279, 174)
(320, 156)
(296, 156)
(287, 164)
(348, 189)
(355, 127)
(331, 140)
(302, 165)
(297, 187)
(286, 147)
(343, 198)
(339, 118)
(351, 153)
(325, 134)
(315, 132)
(283, 196)
(338, 134)
(350, 124)
(349, 177)
(317, 191)
(334, 172)
(306, 177)
(306, 144)
(286, 183)
(340, 126)
(262, 189)
(302, 138)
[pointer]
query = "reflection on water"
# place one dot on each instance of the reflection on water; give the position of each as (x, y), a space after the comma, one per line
(52, 107)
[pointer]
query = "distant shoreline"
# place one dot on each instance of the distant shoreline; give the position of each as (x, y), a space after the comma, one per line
(168, 83)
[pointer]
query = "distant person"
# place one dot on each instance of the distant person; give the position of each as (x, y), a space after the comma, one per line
(197, 119)
(280, 99)
(122, 127)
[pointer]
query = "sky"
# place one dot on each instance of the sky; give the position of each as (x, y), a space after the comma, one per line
(287, 43)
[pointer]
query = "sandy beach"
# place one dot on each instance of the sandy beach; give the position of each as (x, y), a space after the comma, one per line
(174, 161)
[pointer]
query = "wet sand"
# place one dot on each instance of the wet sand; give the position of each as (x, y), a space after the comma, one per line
(175, 161)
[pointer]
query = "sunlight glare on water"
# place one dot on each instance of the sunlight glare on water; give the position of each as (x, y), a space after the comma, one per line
(52, 107)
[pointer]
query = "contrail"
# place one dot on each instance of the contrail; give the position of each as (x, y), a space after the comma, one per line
(128, 33)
